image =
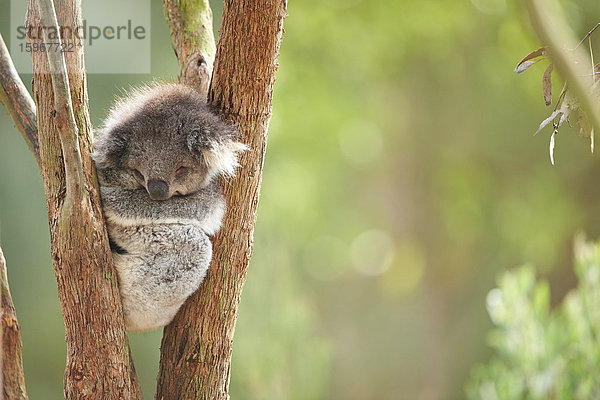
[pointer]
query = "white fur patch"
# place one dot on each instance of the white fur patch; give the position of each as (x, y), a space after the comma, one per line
(223, 158)
(212, 222)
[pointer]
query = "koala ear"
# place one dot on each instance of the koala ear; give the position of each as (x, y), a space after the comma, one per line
(222, 158)
(197, 140)
(109, 149)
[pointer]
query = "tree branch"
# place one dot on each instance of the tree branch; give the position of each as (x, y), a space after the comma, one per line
(98, 359)
(197, 345)
(570, 60)
(15, 97)
(64, 109)
(13, 379)
(190, 22)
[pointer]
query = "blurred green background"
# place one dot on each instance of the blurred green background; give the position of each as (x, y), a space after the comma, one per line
(401, 177)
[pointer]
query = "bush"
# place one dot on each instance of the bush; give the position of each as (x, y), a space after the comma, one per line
(542, 353)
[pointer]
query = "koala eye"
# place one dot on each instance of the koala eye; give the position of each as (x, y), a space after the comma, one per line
(138, 174)
(181, 170)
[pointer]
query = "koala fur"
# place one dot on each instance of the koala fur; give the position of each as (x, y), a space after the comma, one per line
(158, 158)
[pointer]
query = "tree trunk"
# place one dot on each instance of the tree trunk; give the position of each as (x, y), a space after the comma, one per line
(196, 347)
(11, 361)
(98, 360)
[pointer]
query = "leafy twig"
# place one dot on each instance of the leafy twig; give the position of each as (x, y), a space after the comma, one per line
(550, 25)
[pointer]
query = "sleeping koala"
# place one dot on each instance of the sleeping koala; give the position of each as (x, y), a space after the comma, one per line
(158, 158)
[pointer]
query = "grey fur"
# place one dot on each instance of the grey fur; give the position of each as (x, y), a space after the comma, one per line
(158, 159)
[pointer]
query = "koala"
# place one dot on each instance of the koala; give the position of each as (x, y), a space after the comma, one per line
(158, 157)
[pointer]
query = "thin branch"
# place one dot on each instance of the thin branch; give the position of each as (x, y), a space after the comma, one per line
(191, 27)
(549, 23)
(13, 379)
(62, 104)
(588, 34)
(15, 97)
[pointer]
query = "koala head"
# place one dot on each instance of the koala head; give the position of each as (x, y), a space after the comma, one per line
(166, 139)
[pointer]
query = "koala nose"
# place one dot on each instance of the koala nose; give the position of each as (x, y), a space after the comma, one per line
(158, 190)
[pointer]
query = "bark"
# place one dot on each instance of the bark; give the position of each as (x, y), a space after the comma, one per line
(98, 360)
(15, 97)
(197, 345)
(190, 22)
(13, 379)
